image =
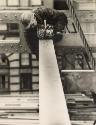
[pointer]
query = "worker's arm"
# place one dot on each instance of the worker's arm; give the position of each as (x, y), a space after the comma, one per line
(52, 17)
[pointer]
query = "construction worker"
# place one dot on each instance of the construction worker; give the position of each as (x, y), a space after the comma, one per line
(31, 20)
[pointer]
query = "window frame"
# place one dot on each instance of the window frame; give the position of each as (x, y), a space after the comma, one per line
(21, 84)
(25, 66)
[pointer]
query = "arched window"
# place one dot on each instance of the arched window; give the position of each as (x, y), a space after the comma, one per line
(3, 60)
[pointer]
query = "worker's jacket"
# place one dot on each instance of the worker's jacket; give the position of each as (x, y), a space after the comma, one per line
(52, 17)
(57, 19)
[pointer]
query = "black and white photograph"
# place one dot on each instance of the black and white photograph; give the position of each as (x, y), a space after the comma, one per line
(47, 62)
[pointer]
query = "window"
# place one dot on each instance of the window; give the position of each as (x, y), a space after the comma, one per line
(3, 82)
(13, 2)
(60, 5)
(26, 81)
(25, 59)
(3, 60)
(24, 3)
(13, 27)
(9, 31)
(20, 3)
(35, 2)
(3, 27)
(2, 2)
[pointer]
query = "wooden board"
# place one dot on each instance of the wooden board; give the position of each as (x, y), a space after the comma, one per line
(18, 122)
(19, 102)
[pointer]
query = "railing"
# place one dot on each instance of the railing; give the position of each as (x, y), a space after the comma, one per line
(91, 60)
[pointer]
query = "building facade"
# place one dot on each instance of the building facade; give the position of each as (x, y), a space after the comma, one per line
(19, 73)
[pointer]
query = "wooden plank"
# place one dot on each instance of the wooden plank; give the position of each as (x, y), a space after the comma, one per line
(31, 102)
(69, 71)
(20, 95)
(78, 122)
(8, 111)
(23, 116)
(18, 8)
(18, 122)
(19, 99)
(19, 106)
(53, 109)
(9, 40)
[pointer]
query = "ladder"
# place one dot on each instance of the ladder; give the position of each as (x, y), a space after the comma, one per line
(91, 60)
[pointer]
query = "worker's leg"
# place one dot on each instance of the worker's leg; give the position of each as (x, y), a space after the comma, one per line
(57, 37)
(32, 41)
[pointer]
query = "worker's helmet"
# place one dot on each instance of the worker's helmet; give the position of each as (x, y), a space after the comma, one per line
(28, 19)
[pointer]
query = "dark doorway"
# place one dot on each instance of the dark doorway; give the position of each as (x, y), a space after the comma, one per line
(26, 81)
(4, 83)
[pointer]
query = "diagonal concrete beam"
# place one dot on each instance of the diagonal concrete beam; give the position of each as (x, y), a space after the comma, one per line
(53, 109)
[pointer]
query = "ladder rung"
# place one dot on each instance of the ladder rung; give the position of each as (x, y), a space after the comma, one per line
(87, 48)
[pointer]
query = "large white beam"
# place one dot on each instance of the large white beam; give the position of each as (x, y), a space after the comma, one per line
(53, 109)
